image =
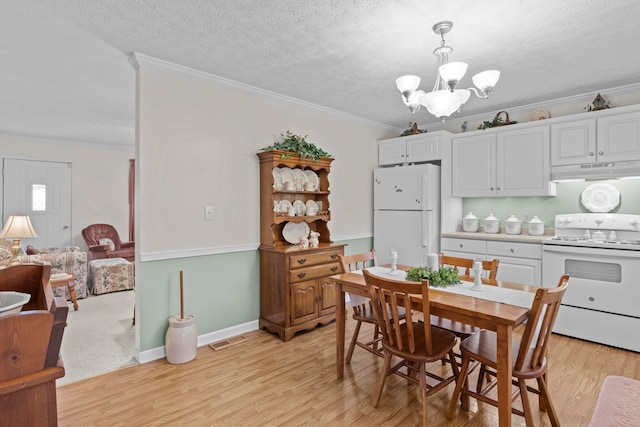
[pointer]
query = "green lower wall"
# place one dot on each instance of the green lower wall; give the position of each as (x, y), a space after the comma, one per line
(220, 290)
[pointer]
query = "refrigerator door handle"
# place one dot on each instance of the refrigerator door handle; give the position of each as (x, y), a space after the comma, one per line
(426, 220)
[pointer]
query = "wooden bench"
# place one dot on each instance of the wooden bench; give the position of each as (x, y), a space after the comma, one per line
(618, 403)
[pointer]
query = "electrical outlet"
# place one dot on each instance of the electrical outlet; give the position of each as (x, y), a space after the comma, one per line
(208, 213)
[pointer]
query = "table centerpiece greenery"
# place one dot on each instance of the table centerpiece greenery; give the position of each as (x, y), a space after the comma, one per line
(440, 278)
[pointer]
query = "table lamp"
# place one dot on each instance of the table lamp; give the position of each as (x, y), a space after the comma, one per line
(16, 228)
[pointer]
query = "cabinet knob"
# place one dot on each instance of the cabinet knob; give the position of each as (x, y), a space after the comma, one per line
(512, 250)
(461, 245)
(491, 188)
(601, 152)
(591, 153)
(301, 275)
(334, 256)
(334, 269)
(302, 260)
(498, 188)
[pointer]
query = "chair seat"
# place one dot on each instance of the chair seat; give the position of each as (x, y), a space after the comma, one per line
(441, 341)
(461, 330)
(482, 347)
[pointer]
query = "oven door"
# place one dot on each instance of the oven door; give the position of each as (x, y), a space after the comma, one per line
(601, 279)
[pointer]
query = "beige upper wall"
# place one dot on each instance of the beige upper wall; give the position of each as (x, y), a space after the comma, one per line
(100, 179)
(197, 146)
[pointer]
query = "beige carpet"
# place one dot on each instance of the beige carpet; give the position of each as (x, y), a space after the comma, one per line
(99, 337)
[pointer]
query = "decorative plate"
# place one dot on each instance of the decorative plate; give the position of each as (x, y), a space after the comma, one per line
(277, 179)
(287, 176)
(283, 206)
(311, 207)
(294, 232)
(300, 208)
(312, 177)
(299, 178)
(600, 197)
(540, 115)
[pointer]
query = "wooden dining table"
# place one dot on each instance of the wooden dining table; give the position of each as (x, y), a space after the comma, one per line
(495, 316)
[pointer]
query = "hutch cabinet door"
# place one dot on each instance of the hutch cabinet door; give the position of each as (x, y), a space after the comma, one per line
(304, 301)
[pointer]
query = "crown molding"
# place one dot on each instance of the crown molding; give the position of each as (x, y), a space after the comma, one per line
(138, 60)
(557, 103)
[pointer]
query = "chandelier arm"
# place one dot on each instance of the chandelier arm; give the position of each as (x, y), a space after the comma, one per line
(478, 94)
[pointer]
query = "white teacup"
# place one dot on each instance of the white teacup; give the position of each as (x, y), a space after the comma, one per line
(291, 211)
(289, 185)
(310, 186)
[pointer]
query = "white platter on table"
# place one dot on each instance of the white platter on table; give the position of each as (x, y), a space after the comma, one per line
(294, 232)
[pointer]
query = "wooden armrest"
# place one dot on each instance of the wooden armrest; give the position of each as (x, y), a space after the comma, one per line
(31, 380)
(127, 245)
(99, 248)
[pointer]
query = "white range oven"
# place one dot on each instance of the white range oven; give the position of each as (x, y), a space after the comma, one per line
(601, 254)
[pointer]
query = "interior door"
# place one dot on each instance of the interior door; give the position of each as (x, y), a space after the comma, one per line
(42, 191)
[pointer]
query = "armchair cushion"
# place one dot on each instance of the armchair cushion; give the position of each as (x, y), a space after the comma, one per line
(69, 260)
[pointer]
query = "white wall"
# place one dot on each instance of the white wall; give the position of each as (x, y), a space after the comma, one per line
(197, 146)
(100, 179)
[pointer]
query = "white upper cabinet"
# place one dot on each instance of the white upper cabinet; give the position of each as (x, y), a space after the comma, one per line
(420, 148)
(610, 138)
(505, 163)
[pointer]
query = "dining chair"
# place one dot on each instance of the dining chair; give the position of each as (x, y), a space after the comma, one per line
(415, 343)
(490, 267)
(530, 361)
(362, 310)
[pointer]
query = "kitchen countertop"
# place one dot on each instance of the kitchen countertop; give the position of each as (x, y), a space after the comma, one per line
(502, 236)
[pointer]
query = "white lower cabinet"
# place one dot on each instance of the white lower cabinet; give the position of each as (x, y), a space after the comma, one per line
(519, 262)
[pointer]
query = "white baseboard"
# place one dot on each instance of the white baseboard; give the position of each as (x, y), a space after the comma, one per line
(159, 352)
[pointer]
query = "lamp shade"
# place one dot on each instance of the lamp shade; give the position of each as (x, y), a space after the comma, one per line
(443, 103)
(407, 83)
(452, 72)
(486, 79)
(18, 227)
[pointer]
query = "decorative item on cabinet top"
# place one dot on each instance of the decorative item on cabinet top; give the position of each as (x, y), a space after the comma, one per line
(598, 103)
(297, 144)
(497, 121)
(413, 130)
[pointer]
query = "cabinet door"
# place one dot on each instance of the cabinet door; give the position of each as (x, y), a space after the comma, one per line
(474, 165)
(523, 165)
(304, 301)
(619, 137)
(423, 149)
(520, 270)
(327, 296)
(392, 152)
(573, 143)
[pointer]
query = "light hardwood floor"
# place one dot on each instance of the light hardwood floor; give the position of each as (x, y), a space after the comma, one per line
(266, 382)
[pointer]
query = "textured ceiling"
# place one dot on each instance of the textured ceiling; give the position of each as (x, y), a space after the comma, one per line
(65, 72)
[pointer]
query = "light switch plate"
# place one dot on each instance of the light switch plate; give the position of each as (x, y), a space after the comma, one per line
(208, 213)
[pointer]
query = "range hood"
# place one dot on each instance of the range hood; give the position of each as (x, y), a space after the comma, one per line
(608, 170)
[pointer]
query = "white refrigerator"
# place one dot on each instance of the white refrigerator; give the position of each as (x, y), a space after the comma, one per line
(406, 213)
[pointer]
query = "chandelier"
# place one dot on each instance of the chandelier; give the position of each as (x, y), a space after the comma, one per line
(445, 99)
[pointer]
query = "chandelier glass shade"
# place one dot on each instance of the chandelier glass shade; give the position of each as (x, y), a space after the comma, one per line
(445, 99)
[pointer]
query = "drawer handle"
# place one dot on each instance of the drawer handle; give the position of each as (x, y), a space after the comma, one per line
(334, 269)
(302, 260)
(334, 256)
(512, 250)
(301, 275)
(461, 245)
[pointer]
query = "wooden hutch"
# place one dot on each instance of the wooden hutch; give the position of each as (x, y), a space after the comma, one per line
(295, 290)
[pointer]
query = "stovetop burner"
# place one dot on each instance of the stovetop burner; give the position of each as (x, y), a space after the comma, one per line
(597, 230)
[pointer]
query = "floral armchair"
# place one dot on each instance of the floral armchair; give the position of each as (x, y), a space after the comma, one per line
(103, 241)
(63, 260)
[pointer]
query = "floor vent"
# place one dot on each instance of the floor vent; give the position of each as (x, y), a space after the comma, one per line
(228, 342)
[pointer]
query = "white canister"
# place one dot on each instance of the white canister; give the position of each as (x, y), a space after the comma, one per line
(470, 223)
(513, 225)
(535, 226)
(491, 224)
(181, 340)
